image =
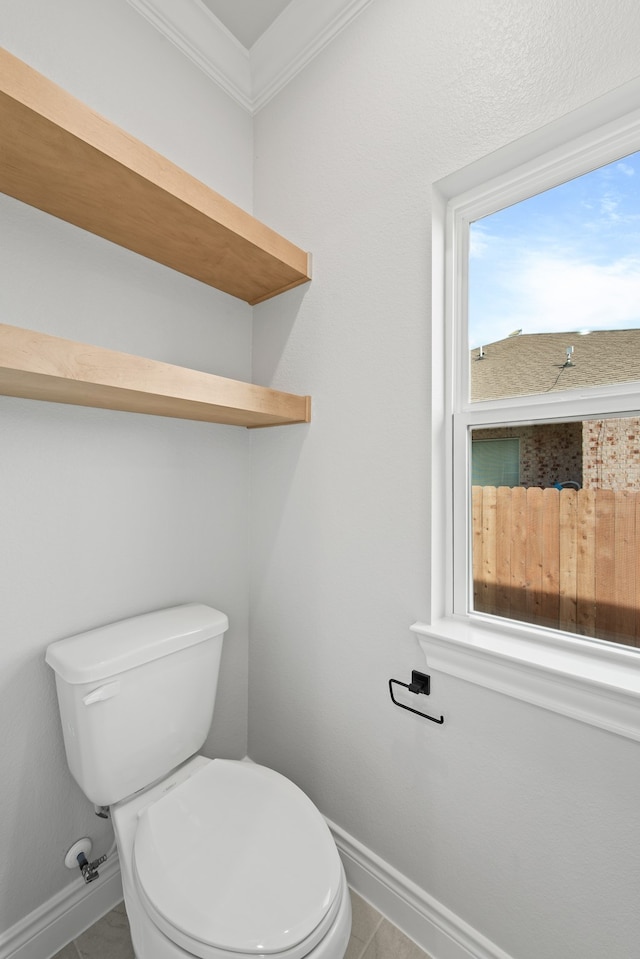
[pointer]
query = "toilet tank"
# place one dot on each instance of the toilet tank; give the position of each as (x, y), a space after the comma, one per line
(136, 697)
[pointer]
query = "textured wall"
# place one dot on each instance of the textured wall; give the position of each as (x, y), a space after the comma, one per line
(106, 514)
(523, 823)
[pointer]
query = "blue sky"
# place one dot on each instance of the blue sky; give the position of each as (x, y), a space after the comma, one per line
(568, 259)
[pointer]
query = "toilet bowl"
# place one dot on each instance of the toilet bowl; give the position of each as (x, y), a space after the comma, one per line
(220, 859)
(230, 860)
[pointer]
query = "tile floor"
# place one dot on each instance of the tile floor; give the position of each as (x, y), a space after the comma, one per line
(372, 937)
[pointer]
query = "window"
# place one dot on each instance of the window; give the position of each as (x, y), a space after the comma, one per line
(495, 462)
(563, 265)
(564, 555)
(534, 379)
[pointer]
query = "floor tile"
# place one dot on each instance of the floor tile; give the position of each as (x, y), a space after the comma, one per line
(108, 938)
(389, 943)
(364, 918)
(69, 952)
(372, 937)
(354, 949)
(364, 922)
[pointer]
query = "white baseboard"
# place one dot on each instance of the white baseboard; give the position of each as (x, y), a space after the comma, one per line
(437, 930)
(49, 928)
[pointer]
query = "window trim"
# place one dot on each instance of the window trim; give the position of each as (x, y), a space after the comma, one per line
(601, 690)
(590, 680)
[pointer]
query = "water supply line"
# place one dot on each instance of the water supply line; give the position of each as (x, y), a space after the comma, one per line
(78, 854)
(88, 869)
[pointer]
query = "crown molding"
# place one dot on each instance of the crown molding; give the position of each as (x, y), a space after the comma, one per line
(201, 37)
(251, 77)
(299, 34)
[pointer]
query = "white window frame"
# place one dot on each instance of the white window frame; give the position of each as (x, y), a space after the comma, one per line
(589, 680)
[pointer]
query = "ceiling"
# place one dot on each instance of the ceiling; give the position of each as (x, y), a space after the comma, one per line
(246, 19)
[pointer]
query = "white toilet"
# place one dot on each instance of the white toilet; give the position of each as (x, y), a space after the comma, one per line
(220, 859)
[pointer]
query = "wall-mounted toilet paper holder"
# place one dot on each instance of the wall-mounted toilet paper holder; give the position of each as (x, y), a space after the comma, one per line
(420, 683)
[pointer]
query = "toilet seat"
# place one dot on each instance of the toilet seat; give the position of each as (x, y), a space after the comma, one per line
(237, 861)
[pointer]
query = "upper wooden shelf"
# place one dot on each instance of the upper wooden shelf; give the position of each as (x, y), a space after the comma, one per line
(62, 157)
(42, 367)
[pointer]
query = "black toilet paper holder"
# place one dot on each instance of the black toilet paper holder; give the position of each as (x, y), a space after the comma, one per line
(420, 684)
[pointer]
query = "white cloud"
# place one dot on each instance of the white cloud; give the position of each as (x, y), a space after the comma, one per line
(479, 242)
(551, 294)
(609, 205)
(562, 263)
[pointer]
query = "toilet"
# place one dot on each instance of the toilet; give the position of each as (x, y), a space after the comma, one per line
(220, 859)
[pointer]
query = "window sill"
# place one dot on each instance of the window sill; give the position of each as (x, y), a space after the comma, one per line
(587, 681)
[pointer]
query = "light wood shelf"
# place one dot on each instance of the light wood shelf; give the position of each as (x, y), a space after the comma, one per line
(62, 157)
(42, 367)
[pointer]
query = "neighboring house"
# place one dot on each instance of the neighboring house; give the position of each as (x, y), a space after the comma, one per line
(593, 454)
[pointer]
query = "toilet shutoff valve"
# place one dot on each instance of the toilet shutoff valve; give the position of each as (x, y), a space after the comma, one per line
(78, 856)
(88, 869)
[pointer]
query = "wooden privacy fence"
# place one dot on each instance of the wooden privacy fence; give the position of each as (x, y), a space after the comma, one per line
(564, 559)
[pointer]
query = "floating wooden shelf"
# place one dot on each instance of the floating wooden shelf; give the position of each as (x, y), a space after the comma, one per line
(62, 157)
(42, 367)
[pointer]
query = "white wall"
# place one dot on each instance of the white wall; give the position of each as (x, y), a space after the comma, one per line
(106, 514)
(525, 824)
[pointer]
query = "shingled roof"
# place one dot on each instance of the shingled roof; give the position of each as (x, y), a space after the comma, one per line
(526, 363)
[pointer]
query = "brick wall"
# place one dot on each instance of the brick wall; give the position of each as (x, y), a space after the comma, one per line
(611, 453)
(549, 453)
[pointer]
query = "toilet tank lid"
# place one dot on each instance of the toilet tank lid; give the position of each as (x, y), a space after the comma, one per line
(112, 649)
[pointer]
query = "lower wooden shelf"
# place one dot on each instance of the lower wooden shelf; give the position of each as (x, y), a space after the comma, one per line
(42, 367)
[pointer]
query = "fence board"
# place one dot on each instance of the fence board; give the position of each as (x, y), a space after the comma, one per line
(503, 548)
(561, 558)
(550, 583)
(476, 541)
(624, 551)
(534, 555)
(586, 575)
(489, 536)
(568, 560)
(636, 570)
(518, 552)
(605, 569)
